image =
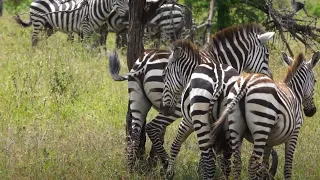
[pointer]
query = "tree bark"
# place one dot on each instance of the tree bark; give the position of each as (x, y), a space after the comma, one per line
(208, 29)
(223, 10)
(1, 7)
(139, 14)
(188, 17)
(136, 27)
(135, 48)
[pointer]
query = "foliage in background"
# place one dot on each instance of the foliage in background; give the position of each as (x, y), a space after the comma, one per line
(14, 6)
(63, 117)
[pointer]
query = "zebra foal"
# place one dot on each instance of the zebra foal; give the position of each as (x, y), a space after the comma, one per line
(269, 114)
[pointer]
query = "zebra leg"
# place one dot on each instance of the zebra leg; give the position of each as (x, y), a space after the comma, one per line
(49, 31)
(37, 25)
(265, 161)
(255, 169)
(226, 163)
(103, 36)
(139, 107)
(274, 165)
(237, 163)
(185, 129)
(237, 129)
(70, 37)
(153, 156)
(208, 163)
(289, 151)
(154, 128)
(202, 126)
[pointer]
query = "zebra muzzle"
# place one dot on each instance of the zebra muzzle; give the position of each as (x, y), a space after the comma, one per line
(310, 112)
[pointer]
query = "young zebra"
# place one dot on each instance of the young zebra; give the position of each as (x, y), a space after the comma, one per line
(247, 50)
(269, 114)
(80, 16)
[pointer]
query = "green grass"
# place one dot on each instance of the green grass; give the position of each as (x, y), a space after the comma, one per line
(63, 117)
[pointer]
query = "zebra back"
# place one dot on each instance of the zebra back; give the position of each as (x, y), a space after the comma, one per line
(243, 47)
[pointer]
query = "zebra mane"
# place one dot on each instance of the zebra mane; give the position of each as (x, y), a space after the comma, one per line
(186, 46)
(230, 32)
(298, 60)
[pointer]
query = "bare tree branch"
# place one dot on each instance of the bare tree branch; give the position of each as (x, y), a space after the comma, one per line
(302, 28)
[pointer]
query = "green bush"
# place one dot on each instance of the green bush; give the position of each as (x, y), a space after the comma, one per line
(14, 6)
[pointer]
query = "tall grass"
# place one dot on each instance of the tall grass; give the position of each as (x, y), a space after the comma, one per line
(62, 116)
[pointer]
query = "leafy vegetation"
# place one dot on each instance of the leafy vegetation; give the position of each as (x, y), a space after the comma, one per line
(62, 116)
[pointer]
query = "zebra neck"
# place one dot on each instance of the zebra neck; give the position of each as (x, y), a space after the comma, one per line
(188, 72)
(296, 85)
(237, 63)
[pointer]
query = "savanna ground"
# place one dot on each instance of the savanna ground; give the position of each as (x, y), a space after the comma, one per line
(63, 117)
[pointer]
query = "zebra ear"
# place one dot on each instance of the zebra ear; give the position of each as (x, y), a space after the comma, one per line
(176, 53)
(265, 37)
(315, 59)
(288, 60)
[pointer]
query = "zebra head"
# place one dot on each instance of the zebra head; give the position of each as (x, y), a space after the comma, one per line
(301, 79)
(121, 7)
(259, 53)
(184, 58)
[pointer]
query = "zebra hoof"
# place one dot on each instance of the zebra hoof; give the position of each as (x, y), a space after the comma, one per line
(152, 162)
(170, 173)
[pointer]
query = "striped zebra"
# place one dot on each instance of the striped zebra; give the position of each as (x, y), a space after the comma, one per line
(166, 23)
(215, 80)
(270, 112)
(184, 60)
(80, 16)
(145, 82)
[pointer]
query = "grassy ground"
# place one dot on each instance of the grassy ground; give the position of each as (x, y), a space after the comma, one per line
(62, 116)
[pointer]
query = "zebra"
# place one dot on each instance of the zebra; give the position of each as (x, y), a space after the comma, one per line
(166, 23)
(185, 60)
(269, 113)
(145, 82)
(81, 16)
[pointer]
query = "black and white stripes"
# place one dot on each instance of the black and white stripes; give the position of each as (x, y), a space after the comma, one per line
(80, 16)
(271, 113)
(146, 82)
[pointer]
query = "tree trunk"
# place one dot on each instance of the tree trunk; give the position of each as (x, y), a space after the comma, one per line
(135, 48)
(1, 7)
(211, 12)
(136, 27)
(223, 9)
(188, 17)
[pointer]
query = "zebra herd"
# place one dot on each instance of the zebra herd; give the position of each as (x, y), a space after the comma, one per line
(102, 16)
(205, 88)
(202, 86)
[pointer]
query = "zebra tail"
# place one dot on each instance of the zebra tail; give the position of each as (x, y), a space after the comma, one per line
(114, 67)
(22, 23)
(217, 126)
